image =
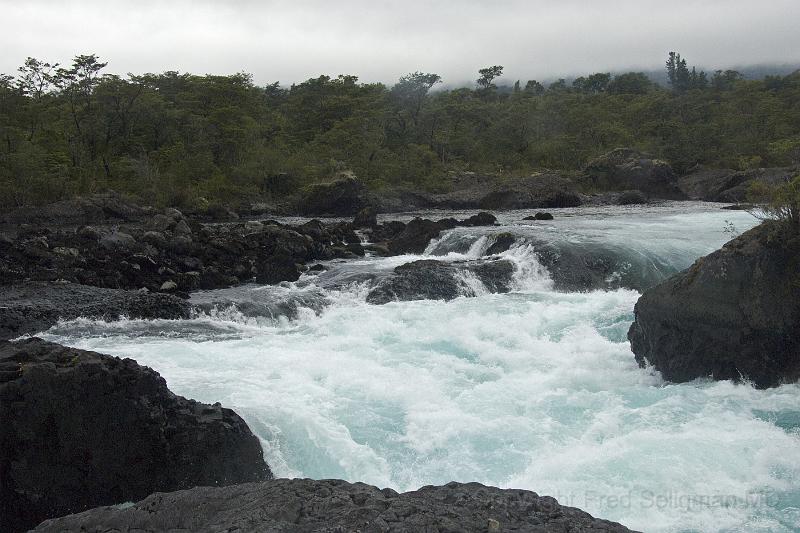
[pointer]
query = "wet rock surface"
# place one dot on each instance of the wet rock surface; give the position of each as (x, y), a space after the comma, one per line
(437, 280)
(733, 314)
(35, 306)
(414, 237)
(80, 429)
(169, 252)
(304, 505)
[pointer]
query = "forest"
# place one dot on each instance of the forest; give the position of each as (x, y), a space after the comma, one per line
(182, 139)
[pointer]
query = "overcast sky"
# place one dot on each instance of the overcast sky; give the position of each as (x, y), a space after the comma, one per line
(294, 40)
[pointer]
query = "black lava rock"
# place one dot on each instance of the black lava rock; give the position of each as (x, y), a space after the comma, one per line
(305, 505)
(80, 429)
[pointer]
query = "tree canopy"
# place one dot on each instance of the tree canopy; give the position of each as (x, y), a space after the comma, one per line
(174, 138)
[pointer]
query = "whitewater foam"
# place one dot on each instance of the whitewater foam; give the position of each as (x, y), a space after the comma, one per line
(534, 389)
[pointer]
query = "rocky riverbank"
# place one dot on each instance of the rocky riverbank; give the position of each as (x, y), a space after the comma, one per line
(29, 307)
(305, 505)
(80, 429)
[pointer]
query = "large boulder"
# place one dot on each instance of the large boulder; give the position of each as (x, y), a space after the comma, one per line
(334, 505)
(343, 197)
(726, 185)
(733, 314)
(415, 236)
(430, 279)
(625, 169)
(35, 306)
(538, 191)
(80, 429)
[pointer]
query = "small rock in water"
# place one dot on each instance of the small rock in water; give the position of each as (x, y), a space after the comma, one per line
(168, 286)
(539, 216)
(481, 219)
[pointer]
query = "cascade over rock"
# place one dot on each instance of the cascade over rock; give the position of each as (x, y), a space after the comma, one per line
(733, 314)
(429, 279)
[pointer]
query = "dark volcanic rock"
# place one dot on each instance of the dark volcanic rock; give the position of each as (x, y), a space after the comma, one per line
(438, 280)
(80, 429)
(726, 185)
(624, 169)
(35, 306)
(537, 191)
(97, 208)
(734, 313)
(481, 219)
(502, 242)
(305, 505)
(415, 236)
(478, 191)
(343, 197)
(631, 198)
(167, 249)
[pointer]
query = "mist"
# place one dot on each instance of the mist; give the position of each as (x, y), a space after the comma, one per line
(290, 41)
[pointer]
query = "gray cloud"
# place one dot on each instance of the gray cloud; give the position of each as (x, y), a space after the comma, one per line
(377, 40)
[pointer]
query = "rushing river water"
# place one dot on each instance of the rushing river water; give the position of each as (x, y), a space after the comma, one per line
(533, 389)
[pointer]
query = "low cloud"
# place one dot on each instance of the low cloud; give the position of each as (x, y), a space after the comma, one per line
(290, 41)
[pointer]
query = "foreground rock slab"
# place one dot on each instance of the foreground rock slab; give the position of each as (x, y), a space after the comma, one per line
(304, 505)
(80, 429)
(733, 314)
(35, 306)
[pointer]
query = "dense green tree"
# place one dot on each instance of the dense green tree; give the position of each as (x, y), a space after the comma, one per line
(630, 83)
(182, 139)
(487, 76)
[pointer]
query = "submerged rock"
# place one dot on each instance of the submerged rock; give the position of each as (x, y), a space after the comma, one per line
(80, 429)
(333, 505)
(35, 306)
(733, 314)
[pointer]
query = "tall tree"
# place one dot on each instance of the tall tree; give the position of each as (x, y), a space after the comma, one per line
(487, 76)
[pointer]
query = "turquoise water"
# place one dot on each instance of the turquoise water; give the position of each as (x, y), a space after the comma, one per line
(534, 389)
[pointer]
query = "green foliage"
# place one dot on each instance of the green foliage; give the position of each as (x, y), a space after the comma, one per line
(182, 139)
(779, 202)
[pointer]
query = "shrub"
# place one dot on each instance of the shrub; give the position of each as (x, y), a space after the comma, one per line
(777, 202)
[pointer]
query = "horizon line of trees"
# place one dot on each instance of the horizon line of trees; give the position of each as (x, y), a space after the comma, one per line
(180, 138)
